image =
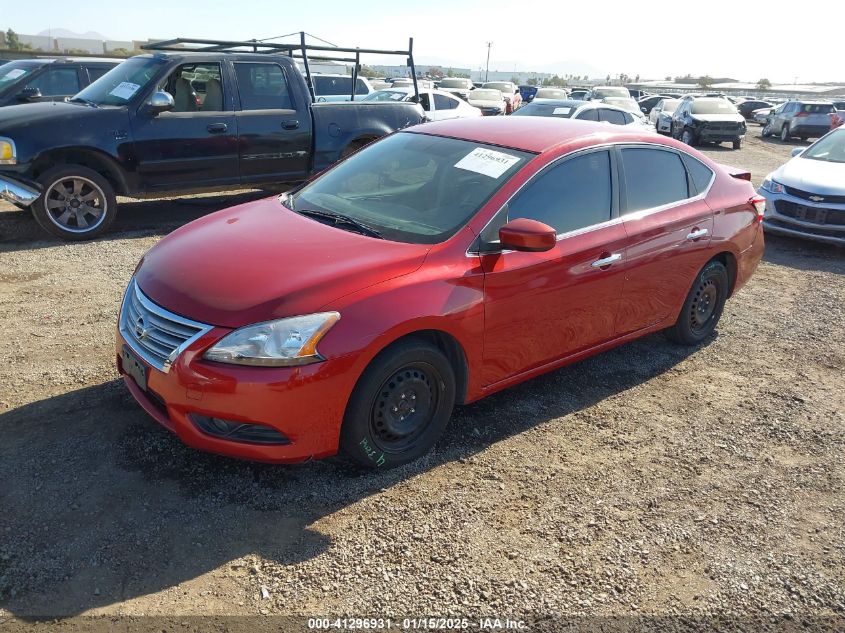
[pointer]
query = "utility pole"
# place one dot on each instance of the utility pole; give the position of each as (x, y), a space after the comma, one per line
(487, 72)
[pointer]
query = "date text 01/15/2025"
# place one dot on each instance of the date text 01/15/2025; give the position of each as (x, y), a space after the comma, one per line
(413, 624)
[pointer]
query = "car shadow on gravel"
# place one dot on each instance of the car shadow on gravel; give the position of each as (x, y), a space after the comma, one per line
(804, 254)
(19, 230)
(102, 505)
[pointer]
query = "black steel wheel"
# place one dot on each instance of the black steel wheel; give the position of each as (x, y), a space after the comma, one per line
(703, 306)
(77, 203)
(400, 406)
(784, 133)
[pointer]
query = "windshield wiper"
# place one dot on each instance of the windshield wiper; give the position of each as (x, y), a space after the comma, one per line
(338, 219)
(87, 102)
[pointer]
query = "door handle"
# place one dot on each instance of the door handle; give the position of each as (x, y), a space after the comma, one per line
(697, 234)
(607, 261)
(217, 128)
(291, 124)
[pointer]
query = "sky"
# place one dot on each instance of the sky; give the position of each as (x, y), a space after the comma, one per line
(720, 38)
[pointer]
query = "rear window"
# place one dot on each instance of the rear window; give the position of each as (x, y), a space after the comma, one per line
(546, 109)
(550, 93)
(502, 86)
(816, 108)
(713, 106)
(454, 83)
(610, 91)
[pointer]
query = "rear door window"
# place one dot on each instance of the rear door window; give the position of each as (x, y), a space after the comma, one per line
(262, 86)
(591, 114)
(653, 178)
(442, 102)
(612, 116)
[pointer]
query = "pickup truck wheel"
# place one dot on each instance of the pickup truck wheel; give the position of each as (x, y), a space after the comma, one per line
(784, 133)
(702, 307)
(400, 406)
(77, 203)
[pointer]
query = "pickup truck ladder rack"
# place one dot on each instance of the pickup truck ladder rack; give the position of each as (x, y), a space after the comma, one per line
(296, 51)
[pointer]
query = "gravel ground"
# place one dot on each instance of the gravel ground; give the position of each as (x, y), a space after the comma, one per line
(649, 480)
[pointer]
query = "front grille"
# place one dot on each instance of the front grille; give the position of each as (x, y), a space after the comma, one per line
(805, 195)
(156, 334)
(816, 215)
(722, 126)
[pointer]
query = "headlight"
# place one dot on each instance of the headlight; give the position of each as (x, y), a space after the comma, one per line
(8, 155)
(281, 343)
(772, 186)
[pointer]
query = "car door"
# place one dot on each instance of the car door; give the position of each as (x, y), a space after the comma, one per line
(669, 226)
(195, 143)
(274, 126)
(444, 107)
(540, 307)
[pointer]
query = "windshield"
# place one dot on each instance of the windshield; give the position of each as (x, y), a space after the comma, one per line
(485, 95)
(501, 86)
(625, 104)
(454, 83)
(412, 187)
(550, 93)
(386, 95)
(713, 106)
(830, 148)
(14, 71)
(121, 83)
(610, 91)
(670, 105)
(547, 109)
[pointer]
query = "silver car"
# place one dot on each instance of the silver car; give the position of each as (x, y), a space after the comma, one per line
(806, 196)
(661, 115)
(803, 119)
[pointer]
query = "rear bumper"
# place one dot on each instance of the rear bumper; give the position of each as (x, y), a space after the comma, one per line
(17, 192)
(809, 130)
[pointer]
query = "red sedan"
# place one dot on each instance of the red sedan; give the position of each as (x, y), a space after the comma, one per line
(434, 267)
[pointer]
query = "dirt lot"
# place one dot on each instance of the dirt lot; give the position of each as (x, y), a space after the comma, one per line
(649, 480)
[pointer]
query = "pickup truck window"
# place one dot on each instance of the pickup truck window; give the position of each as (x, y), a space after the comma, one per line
(56, 81)
(195, 88)
(263, 87)
(412, 187)
(124, 81)
(337, 86)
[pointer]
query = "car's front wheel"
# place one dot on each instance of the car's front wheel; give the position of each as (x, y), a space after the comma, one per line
(784, 133)
(737, 143)
(688, 137)
(767, 132)
(703, 305)
(77, 203)
(400, 406)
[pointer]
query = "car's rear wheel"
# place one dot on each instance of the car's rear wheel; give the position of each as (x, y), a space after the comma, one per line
(784, 133)
(703, 306)
(77, 203)
(688, 137)
(400, 406)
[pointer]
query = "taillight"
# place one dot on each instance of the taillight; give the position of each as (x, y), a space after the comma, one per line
(759, 203)
(801, 114)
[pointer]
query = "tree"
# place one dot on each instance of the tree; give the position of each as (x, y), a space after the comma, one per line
(13, 42)
(367, 71)
(706, 81)
(668, 78)
(764, 84)
(532, 81)
(121, 52)
(436, 71)
(515, 80)
(637, 79)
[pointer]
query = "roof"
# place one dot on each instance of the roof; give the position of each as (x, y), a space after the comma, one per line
(526, 133)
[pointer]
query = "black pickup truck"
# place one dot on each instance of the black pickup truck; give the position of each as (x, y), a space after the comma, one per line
(171, 122)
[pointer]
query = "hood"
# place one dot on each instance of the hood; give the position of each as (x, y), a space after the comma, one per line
(815, 176)
(260, 261)
(483, 103)
(33, 113)
(735, 118)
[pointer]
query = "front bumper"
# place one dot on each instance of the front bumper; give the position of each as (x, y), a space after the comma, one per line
(306, 404)
(17, 192)
(796, 217)
(719, 136)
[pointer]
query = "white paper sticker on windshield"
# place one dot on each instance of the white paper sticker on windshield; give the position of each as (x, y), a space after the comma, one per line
(125, 90)
(487, 161)
(14, 74)
(561, 110)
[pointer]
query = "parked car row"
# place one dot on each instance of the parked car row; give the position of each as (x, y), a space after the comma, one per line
(34, 80)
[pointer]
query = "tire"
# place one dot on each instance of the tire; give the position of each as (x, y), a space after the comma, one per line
(766, 133)
(353, 147)
(412, 380)
(803, 138)
(688, 137)
(737, 143)
(784, 133)
(703, 306)
(63, 209)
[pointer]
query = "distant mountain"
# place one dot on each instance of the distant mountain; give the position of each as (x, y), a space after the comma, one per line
(90, 35)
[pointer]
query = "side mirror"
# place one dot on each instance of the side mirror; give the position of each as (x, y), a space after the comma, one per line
(523, 234)
(161, 101)
(645, 110)
(797, 151)
(29, 94)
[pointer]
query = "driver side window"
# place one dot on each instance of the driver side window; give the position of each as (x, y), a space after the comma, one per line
(571, 195)
(195, 88)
